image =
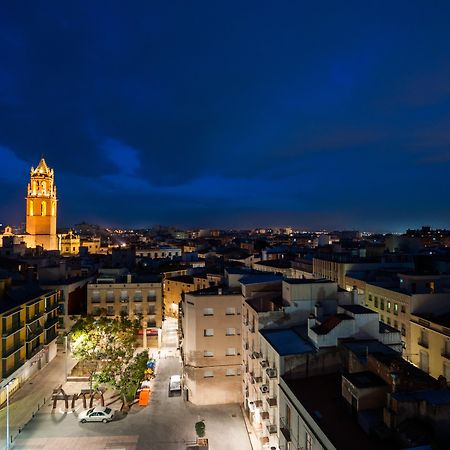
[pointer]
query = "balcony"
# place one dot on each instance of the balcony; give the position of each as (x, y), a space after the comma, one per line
(257, 380)
(272, 402)
(34, 351)
(256, 355)
(51, 307)
(11, 370)
(50, 336)
(13, 329)
(50, 322)
(31, 319)
(423, 343)
(6, 353)
(33, 334)
(285, 429)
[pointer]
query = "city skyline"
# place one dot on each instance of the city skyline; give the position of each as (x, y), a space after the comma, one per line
(229, 116)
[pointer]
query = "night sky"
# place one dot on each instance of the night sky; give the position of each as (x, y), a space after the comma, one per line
(229, 114)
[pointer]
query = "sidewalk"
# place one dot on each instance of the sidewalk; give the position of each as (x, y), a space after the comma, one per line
(29, 398)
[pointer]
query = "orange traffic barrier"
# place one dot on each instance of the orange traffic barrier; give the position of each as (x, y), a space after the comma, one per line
(144, 397)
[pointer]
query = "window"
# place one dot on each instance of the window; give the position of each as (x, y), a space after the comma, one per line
(423, 362)
(95, 296)
(208, 332)
(137, 309)
(137, 296)
(396, 309)
(230, 352)
(376, 302)
(208, 374)
(395, 324)
(382, 318)
(388, 306)
(423, 338)
(370, 298)
(123, 296)
(110, 296)
(124, 309)
(208, 354)
(388, 320)
(230, 311)
(231, 331)
(208, 311)
(382, 304)
(403, 308)
(403, 330)
(231, 372)
(110, 310)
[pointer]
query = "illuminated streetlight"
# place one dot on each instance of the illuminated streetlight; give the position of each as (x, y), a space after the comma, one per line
(8, 438)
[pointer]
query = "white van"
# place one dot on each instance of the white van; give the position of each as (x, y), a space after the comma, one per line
(175, 383)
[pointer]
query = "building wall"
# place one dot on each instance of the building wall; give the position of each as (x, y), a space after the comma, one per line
(133, 299)
(211, 370)
(430, 342)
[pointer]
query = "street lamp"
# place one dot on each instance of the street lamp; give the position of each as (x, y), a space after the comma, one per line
(8, 438)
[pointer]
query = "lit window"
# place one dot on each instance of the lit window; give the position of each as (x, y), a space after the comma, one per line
(208, 332)
(231, 331)
(208, 354)
(395, 308)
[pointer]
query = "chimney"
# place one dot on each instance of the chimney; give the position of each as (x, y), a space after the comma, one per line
(311, 321)
(354, 296)
(129, 278)
(318, 311)
(219, 291)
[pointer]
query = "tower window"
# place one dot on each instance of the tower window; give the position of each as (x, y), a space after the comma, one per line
(43, 208)
(31, 207)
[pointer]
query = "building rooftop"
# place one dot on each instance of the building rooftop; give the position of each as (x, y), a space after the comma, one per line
(441, 319)
(307, 281)
(364, 380)
(287, 342)
(331, 322)
(321, 397)
(362, 347)
(18, 295)
(431, 396)
(357, 309)
(265, 302)
(257, 279)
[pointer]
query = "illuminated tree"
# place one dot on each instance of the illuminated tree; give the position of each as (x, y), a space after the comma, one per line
(105, 347)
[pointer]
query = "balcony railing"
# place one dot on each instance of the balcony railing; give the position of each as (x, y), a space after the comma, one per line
(445, 354)
(13, 329)
(51, 307)
(50, 322)
(34, 350)
(11, 370)
(7, 352)
(33, 334)
(50, 335)
(31, 319)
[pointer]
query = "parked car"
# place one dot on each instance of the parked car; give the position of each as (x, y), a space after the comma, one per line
(97, 414)
(175, 384)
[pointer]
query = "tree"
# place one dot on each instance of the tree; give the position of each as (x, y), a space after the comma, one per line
(104, 346)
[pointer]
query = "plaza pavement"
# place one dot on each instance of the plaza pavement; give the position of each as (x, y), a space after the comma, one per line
(167, 423)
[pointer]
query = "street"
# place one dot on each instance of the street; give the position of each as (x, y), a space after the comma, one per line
(167, 423)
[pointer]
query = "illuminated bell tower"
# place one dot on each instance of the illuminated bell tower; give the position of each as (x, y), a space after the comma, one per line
(41, 207)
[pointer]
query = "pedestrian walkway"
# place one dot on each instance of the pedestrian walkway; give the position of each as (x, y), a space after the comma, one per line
(30, 397)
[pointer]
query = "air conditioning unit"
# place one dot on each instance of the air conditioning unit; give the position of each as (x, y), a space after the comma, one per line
(264, 388)
(264, 363)
(256, 355)
(271, 373)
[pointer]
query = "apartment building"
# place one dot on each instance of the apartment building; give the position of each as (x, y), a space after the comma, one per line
(175, 286)
(409, 294)
(138, 296)
(210, 342)
(28, 321)
(430, 344)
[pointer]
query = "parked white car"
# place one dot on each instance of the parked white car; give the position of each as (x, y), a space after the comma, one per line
(97, 414)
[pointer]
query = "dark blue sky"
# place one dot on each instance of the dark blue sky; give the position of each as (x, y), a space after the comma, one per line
(229, 113)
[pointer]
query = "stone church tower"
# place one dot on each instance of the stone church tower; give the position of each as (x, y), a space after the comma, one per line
(41, 208)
